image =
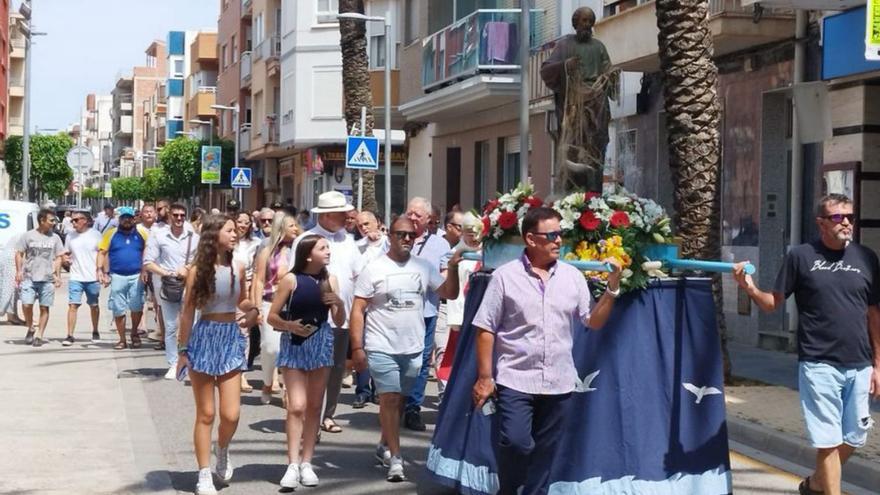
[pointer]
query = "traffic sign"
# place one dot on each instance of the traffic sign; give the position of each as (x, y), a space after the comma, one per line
(80, 159)
(241, 178)
(362, 152)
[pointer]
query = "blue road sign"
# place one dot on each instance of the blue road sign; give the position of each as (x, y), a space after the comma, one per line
(362, 152)
(241, 178)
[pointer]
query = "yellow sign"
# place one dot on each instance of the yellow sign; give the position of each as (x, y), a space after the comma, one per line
(872, 30)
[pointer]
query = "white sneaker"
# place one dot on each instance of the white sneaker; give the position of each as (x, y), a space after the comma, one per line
(307, 476)
(171, 374)
(395, 470)
(265, 398)
(206, 483)
(383, 455)
(291, 476)
(224, 467)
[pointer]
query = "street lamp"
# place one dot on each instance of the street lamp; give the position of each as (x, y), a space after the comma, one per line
(210, 124)
(234, 109)
(387, 22)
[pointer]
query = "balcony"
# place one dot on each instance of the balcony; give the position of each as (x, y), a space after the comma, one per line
(16, 85)
(123, 126)
(16, 126)
(269, 50)
(244, 139)
(123, 102)
(201, 101)
(204, 48)
(18, 45)
(629, 30)
(246, 66)
(269, 131)
(377, 89)
(471, 65)
(247, 9)
(539, 93)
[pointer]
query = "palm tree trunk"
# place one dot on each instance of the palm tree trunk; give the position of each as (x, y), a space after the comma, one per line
(693, 118)
(356, 88)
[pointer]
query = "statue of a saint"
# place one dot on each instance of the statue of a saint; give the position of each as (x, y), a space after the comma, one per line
(580, 74)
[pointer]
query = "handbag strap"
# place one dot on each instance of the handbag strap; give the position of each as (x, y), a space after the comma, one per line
(188, 245)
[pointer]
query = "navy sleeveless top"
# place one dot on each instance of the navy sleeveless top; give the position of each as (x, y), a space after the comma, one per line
(305, 301)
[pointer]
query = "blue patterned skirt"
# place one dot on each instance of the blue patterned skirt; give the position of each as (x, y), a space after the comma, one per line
(315, 352)
(216, 348)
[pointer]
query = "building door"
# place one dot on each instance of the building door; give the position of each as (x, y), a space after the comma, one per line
(453, 177)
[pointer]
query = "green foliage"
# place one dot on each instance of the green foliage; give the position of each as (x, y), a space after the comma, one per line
(127, 188)
(153, 187)
(49, 171)
(179, 159)
(92, 193)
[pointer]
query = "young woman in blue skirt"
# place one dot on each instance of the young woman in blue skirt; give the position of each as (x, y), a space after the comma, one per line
(300, 310)
(213, 349)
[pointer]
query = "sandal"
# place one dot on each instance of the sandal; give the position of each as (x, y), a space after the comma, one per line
(135, 341)
(804, 488)
(159, 347)
(330, 426)
(120, 345)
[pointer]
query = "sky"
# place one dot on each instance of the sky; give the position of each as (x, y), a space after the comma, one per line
(89, 42)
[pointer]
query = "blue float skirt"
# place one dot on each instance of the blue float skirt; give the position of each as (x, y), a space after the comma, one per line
(216, 348)
(312, 353)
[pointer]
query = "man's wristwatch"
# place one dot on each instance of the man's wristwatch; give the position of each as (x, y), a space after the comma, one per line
(613, 293)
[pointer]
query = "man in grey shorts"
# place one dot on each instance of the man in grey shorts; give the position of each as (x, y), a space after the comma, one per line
(388, 329)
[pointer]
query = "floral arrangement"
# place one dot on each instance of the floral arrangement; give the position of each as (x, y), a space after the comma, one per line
(503, 215)
(619, 225)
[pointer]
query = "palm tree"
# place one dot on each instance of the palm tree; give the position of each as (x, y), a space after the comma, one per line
(356, 86)
(692, 120)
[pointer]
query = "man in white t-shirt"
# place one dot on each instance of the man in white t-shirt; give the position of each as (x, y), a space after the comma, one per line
(82, 249)
(388, 329)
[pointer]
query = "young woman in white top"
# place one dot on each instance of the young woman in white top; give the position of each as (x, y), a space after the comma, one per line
(245, 254)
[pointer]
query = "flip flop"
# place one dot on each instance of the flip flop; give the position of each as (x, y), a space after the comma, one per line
(136, 342)
(120, 345)
(330, 426)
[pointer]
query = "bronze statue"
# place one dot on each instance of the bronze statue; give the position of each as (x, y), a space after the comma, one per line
(580, 74)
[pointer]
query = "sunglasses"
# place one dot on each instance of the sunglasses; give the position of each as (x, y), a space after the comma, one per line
(456, 225)
(405, 235)
(178, 215)
(840, 217)
(265, 220)
(550, 236)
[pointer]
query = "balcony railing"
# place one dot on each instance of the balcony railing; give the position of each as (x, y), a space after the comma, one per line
(716, 7)
(245, 67)
(537, 89)
(16, 80)
(246, 7)
(269, 132)
(270, 47)
(16, 121)
(484, 41)
(244, 137)
(18, 42)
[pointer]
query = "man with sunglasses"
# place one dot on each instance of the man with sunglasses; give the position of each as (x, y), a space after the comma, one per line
(526, 326)
(38, 256)
(388, 329)
(82, 248)
(836, 285)
(264, 222)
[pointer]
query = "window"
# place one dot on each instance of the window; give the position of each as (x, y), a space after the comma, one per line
(258, 29)
(327, 10)
(510, 163)
(234, 49)
(377, 51)
(223, 59)
(481, 172)
(178, 68)
(411, 26)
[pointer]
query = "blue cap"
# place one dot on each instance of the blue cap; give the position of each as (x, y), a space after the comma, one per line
(125, 210)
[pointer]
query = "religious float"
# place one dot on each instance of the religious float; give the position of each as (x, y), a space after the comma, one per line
(648, 416)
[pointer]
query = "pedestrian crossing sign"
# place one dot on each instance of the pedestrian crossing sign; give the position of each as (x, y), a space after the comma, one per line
(241, 178)
(362, 152)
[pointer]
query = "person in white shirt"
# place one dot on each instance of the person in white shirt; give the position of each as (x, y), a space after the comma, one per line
(82, 251)
(388, 329)
(373, 242)
(106, 219)
(345, 264)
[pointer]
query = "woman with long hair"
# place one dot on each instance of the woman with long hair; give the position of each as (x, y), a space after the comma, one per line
(195, 219)
(270, 267)
(299, 311)
(213, 350)
(245, 253)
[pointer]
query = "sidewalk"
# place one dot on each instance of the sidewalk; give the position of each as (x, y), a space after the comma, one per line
(102, 431)
(769, 418)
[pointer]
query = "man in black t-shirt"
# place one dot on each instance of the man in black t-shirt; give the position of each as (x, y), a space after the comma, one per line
(836, 285)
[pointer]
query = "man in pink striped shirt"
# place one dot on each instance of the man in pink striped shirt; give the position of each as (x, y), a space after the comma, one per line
(526, 328)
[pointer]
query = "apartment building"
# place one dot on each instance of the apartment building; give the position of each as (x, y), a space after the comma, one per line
(5, 48)
(14, 120)
(200, 90)
(155, 131)
(94, 130)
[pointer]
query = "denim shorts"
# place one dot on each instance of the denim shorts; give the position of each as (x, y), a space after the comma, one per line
(835, 404)
(33, 291)
(76, 289)
(394, 373)
(126, 294)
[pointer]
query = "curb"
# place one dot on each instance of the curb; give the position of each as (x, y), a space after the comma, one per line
(859, 472)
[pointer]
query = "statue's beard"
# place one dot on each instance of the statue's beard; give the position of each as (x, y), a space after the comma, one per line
(584, 35)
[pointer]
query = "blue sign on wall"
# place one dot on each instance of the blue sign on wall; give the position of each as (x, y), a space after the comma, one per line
(843, 45)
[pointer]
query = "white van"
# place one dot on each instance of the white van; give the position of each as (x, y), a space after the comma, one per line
(16, 217)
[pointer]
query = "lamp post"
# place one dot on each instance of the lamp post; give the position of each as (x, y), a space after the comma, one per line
(210, 124)
(237, 125)
(387, 22)
(26, 11)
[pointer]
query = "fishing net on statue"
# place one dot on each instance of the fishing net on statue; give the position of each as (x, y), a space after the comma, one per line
(584, 133)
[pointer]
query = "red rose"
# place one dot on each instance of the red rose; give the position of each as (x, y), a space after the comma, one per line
(589, 221)
(491, 205)
(590, 195)
(507, 220)
(619, 219)
(534, 202)
(487, 225)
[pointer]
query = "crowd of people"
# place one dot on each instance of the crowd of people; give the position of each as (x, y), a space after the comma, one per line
(322, 297)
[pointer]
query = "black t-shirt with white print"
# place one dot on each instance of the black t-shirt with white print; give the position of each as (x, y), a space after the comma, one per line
(833, 290)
